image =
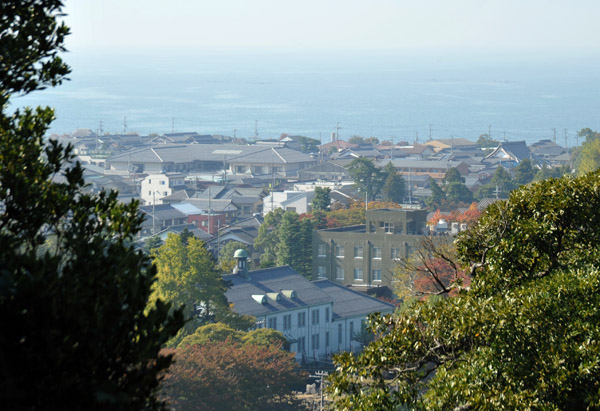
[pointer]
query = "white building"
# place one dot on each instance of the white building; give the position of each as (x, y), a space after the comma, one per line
(157, 186)
(317, 318)
(297, 201)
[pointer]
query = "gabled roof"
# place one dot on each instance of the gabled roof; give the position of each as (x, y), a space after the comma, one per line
(162, 212)
(272, 280)
(516, 150)
(349, 303)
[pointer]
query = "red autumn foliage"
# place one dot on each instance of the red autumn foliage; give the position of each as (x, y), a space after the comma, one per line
(230, 375)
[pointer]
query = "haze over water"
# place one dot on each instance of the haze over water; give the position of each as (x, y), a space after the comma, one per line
(381, 94)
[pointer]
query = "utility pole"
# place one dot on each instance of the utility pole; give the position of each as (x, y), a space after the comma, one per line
(321, 374)
(100, 131)
(554, 135)
(490, 131)
(504, 133)
(566, 142)
(430, 132)
(255, 129)
(337, 131)
(417, 140)
(124, 125)
(235, 133)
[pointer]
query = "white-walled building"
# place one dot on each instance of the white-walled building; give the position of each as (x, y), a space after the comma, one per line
(157, 186)
(298, 201)
(317, 318)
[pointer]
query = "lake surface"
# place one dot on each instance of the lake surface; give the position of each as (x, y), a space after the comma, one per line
(382, 94)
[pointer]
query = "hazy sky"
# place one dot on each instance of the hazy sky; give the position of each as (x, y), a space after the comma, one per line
(506, 25)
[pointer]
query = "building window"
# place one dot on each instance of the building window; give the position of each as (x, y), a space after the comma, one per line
(358, 274)
(273, 323)
(377, 252)
(326, 314)
(301, 319)
(315, 341)
(149, 193)
(165, 193)
(287, 322)
(327, 339)
(340, 334)
(339, 251)
(161, 182)
(395, 253)
(388, 228)
(376, 275)
(315, 317)
(301, 344)
(358, 251)
(339, 273)
(322, 250)
(322, 271)
(290, 209)
(351, 330)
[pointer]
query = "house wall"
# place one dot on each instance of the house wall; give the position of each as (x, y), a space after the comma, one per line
(157, 184)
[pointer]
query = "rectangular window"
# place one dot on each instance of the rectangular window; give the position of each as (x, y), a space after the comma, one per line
(301, 344)
(322, 271)
(339, 251)
(377, 252)
(327, 339)
(287, 322)
(149, 193)
(315, 341)
(340, 334)
(161, 182)
(339, 273)
(165, 193)
(358, 274)
(376, 275)
(322, 250)
(301, 319)
(273, 323)
(358, 251)
(388, 228)
(326, 314)
(351, 330)
(315, 317)
(395, 253)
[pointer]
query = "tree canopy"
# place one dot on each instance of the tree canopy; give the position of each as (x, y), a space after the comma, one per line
(73, 290)
(521, 335)
(368, 179)
(394, 186)
(321, 200)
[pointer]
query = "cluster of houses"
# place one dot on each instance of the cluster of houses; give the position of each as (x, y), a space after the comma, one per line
(220, 188)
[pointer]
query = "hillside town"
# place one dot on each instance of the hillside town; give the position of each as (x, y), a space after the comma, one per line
(223, 190)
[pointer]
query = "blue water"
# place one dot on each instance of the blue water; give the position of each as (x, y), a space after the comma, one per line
(387, 95)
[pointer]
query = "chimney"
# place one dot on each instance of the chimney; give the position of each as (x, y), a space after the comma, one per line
(241, 263)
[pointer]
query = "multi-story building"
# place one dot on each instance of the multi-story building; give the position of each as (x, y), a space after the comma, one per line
(317, 318)
(365, 255)
(157, 186)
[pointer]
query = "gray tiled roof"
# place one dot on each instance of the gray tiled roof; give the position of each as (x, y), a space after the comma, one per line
(272, 280)
(350, 303)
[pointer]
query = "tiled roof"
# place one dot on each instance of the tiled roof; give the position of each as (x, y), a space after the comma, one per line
(272, 280)
(349, 303)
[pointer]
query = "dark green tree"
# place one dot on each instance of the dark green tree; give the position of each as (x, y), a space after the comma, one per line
(368, 179)
(438, 196)
(75, 330)
(267, 240)
(486, 141)
(524, 172)
(394, 187)
(321, 200)
(453, 176)
(520, 336)
(457, 192)
(289, 249)
(305, 241)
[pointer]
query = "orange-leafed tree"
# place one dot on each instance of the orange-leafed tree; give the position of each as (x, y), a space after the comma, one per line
(230, 375)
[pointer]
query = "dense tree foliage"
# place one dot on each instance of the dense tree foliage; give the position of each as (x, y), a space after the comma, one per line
(394, 186)
(485, 141)
(438, 196)
(187, 277)
(73, 290)
(232, 376)
(453, 176)
(368, 179)
(321, 200)
(524, 172)
(522, 335)
(286, 240)
(500, 185)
